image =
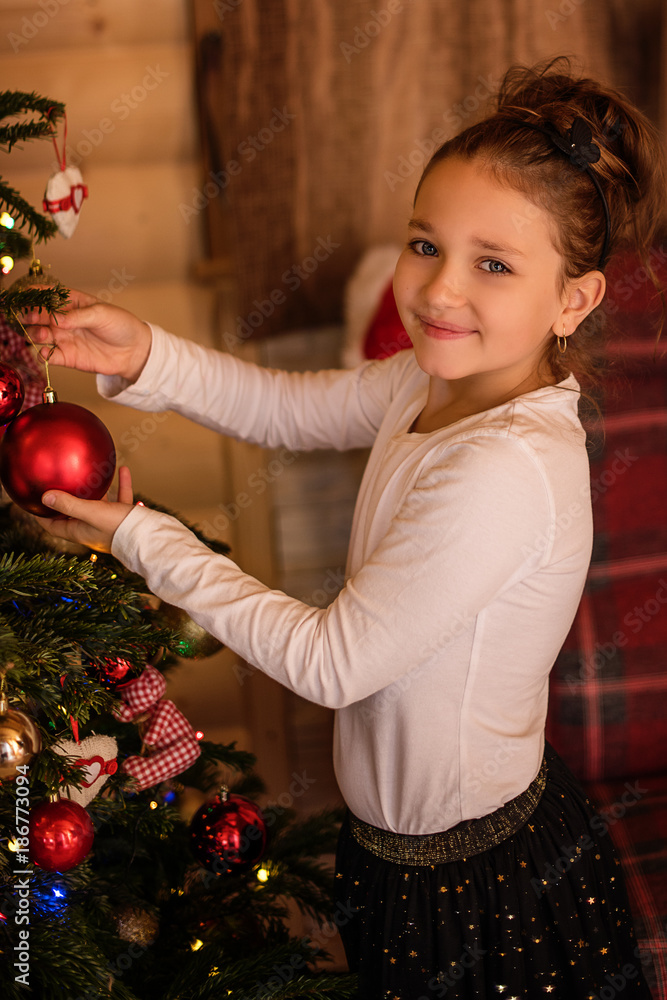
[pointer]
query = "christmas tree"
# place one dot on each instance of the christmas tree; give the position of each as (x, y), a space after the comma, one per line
(105, 889)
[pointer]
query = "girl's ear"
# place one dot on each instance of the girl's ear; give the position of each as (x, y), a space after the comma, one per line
(584, 295)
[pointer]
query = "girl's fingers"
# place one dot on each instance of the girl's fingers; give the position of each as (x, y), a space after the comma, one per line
(125, 492)
(66, 504)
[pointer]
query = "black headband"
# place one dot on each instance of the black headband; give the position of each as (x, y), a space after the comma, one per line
(578, 146)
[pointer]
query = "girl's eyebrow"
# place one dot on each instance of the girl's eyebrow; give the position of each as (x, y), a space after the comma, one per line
(501, 248)
(422, 226)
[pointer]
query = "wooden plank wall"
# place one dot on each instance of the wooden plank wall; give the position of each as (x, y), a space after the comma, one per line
(125, 70)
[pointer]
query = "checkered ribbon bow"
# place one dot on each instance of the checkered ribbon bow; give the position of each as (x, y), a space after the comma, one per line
(167, 734)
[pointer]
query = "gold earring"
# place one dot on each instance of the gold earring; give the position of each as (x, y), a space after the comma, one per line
(562, 342)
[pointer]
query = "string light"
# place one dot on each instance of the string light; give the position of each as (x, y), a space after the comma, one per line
(13, 846)
(6, 263)
(6, 220)
(196, 945)
(263, 875)
(153, 804)
(199, 734)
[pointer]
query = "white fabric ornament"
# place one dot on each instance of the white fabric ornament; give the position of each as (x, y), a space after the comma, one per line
(96, 758)
(63, 199)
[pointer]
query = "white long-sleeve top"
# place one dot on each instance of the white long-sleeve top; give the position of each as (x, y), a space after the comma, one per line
(469, 549)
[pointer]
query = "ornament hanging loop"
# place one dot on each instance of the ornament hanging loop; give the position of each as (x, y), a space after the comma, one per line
(62, 160)
(49, 393)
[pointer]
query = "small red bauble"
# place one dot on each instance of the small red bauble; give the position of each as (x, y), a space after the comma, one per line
(112, 672)
(11, 393)
(228, 834)
(59, 446)
(61, 834)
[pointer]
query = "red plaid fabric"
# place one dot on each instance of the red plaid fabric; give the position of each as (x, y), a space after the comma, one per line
(608, 699)
(169, 735)
(167, 763)
(141, 694)
(166, 725)
(16, 352)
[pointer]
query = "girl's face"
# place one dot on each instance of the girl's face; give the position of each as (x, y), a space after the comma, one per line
(477, 285)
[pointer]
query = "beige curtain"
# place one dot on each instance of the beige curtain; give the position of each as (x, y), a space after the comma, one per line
(318, 115)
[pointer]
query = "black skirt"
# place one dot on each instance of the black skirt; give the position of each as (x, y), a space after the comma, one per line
(542, 914)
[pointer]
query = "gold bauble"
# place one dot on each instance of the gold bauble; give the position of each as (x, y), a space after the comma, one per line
(35, 278)
(195, 642)
(137, 925)
(19, 740)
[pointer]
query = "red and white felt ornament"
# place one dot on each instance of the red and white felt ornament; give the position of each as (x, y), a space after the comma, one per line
(166, 733)
(65, 192)
(63, 198)
(96, 756)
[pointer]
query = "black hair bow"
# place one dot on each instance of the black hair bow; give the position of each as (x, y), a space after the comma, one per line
(577, 144)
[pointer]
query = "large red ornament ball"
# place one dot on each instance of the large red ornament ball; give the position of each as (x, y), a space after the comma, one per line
(228, 834)
(59, 446)
(11, 393)
(61, 834)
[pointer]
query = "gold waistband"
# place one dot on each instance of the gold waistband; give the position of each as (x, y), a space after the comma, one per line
(462, 841)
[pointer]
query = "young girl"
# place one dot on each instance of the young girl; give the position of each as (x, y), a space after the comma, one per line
(469, 861)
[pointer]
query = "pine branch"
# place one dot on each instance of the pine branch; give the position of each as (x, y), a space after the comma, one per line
(14, 243)
(273, 971)
(205, 773)
(15, 102)
(23, 132)
(28, 217)
(49, 298)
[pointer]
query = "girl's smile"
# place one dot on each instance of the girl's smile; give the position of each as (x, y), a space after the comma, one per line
(443, 331)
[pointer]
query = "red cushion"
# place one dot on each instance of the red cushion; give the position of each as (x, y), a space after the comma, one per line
(385, 335)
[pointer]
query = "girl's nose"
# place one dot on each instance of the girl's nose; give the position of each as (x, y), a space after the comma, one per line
(445, 286)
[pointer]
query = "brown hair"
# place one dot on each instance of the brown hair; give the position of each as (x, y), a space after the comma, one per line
(631, 173)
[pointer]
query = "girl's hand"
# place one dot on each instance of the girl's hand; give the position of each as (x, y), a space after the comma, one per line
(92, 336)
(91, 522)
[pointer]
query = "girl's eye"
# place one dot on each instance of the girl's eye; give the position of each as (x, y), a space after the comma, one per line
(423, 248)
(495, 267)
